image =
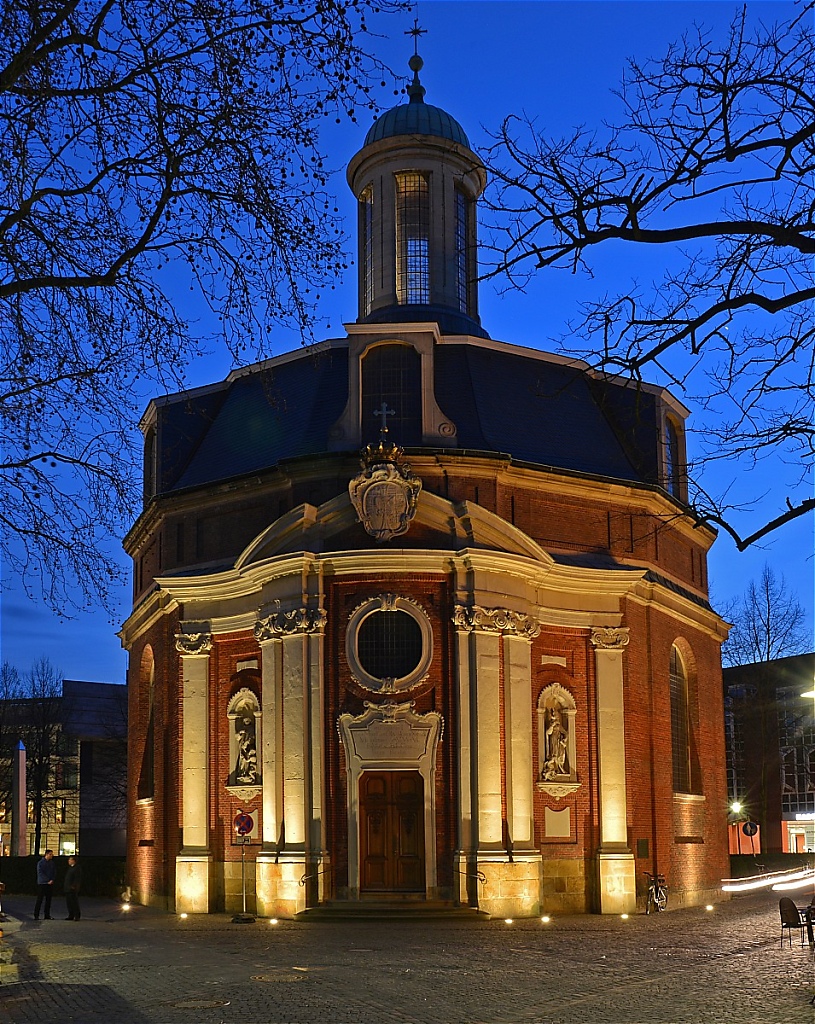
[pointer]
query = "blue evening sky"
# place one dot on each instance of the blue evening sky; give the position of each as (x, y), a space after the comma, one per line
(558, 62)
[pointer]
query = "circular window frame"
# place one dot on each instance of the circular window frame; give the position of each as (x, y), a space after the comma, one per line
(388, 603)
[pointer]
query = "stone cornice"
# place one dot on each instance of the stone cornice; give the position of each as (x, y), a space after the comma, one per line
(495, 620)
(279, 623)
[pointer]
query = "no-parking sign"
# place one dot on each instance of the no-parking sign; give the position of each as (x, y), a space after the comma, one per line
(243, 823)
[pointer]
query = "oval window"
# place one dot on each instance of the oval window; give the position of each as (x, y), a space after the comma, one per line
(389, 645)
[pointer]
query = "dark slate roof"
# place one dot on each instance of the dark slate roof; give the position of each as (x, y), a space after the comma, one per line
(416, 118)
(502, 402)
(533, 410)
(273, 414)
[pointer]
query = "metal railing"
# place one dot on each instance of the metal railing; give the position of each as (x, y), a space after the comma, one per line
(479, 876)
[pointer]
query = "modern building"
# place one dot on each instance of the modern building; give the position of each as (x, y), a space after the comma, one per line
(77, 744)
(480, 668)
(770, 729)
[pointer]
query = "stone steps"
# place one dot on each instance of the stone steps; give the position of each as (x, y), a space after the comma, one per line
(391, 910)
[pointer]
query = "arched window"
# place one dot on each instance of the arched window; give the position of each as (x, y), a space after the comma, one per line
(366, 237)
(673, 459)
(412, 239)
(680, 724)
(464, 249)
(392, 374)
(147, 679)
(149, 475)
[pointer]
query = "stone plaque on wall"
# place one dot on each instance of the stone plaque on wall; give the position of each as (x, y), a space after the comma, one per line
(557, 824)
(389, 734)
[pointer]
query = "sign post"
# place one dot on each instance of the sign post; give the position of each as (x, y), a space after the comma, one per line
(243, 824)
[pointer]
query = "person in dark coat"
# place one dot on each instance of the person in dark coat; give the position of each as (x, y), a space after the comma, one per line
(46, 873)
(73, 880)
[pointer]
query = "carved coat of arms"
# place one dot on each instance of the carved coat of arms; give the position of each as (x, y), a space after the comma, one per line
(385, 493)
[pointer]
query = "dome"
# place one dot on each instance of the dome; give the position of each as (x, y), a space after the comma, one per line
(417, 118)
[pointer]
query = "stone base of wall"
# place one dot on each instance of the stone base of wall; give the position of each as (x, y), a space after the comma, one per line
(193, 883)
(233, 887)
(563, 886)
(510, 889)
(279, 892)
(694, 897)
(617, 882)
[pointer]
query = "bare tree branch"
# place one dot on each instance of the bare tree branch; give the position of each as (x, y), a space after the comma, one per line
(711, 163)
(150, 149)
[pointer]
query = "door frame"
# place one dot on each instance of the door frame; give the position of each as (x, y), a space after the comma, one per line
(391, 737)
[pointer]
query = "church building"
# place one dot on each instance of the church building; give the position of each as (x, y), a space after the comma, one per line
(419, 615)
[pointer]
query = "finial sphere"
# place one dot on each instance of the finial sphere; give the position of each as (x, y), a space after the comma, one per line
(415, 63)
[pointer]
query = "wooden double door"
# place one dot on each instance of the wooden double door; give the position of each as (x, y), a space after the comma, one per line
(392, 857)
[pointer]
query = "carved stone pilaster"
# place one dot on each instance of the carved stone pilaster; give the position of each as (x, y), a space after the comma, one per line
(280, 623)
(495, 620)
(610, 637)
(193, 642)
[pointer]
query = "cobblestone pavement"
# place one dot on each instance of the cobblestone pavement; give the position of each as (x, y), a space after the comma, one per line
(147, 967)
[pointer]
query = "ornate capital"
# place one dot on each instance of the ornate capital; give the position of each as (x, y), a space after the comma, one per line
(298, 620)
(189, 643)
(496, 620)
(610, 637)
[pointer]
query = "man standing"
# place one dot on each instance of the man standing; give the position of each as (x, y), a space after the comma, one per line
(73, 879)
(46, 873)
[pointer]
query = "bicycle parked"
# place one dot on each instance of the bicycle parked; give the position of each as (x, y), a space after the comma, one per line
(657, 896)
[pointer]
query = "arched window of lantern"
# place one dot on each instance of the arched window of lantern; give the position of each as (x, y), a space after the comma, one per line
(392, 377)
(366, 246)
(147, 679)
(674, 458)
(465, 252)
(412, 238)
(684, 759)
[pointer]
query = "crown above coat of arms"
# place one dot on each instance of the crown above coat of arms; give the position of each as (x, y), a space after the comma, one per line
(386, 492)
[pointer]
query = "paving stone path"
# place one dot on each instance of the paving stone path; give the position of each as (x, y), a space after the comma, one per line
(147, 967)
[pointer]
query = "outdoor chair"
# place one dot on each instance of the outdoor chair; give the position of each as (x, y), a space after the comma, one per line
(790, 919)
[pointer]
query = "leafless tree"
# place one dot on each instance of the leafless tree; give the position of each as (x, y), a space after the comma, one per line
(768, 622)
(149, 150)
(11, 691)
(710, 168)
(42, 714)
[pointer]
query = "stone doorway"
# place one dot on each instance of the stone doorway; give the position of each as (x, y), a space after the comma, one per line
(392, 846)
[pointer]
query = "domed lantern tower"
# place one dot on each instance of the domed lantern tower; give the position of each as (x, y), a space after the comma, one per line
(417, 183)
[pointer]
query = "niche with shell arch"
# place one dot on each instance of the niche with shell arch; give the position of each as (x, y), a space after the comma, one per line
(557, 755)
(243, 712)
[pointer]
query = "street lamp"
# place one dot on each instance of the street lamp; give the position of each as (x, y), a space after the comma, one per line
(736, 807)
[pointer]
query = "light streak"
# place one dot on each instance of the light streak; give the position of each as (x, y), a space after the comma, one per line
(774, 880)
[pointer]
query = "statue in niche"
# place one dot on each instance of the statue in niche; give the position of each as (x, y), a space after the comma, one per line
(556, 746)
(245, 771)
